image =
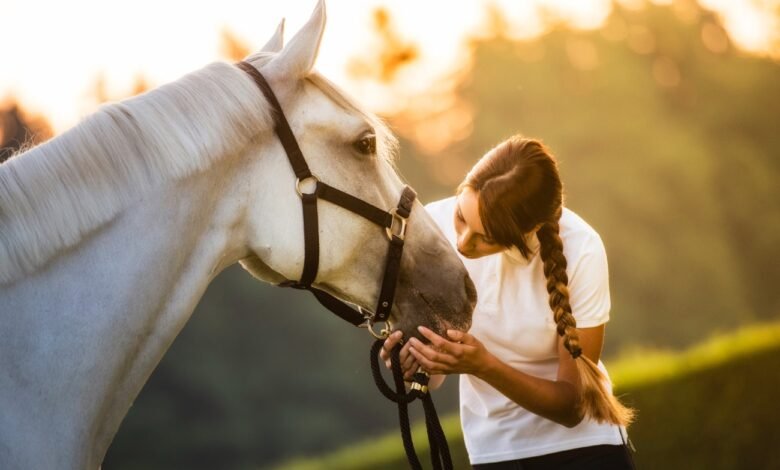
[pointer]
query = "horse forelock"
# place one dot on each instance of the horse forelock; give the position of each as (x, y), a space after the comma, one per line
(54, 194)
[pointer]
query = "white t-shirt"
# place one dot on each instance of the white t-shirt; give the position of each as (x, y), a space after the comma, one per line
(515, 323)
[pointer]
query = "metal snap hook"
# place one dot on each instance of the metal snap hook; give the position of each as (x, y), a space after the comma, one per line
(383, 333)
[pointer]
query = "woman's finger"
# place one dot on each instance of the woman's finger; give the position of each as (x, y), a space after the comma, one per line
(391, 342)
(407, 362)
(433, 354)
(388, 346)
(413, 367)
(436, 340)
(429, 365)
(461, 337)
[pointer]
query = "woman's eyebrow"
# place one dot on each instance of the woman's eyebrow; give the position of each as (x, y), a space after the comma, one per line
(460, 212)
(460, 215)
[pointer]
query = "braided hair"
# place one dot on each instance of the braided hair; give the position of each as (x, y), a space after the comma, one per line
(520, 191)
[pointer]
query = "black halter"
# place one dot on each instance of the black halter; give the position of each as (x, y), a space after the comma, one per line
(393, 221)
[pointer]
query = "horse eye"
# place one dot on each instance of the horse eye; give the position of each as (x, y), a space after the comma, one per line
(366, 145)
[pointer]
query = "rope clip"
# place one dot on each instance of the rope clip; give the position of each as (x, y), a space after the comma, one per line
(369, 325)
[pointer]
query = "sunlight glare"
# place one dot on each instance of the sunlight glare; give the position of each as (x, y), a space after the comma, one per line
(57, 54)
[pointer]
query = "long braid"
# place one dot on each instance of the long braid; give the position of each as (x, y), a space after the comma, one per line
(551, 251)
(519, 187)
(597, 402)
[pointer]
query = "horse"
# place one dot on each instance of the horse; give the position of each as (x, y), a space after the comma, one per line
(111, 232)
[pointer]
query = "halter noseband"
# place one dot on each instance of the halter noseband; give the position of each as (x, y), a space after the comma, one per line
(394, 222)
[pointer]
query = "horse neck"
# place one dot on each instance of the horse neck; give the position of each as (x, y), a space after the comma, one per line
(122, 295)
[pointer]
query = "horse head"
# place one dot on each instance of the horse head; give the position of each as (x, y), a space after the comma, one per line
(352, 150)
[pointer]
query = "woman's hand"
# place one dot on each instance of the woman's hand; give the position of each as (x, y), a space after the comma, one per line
(462, 353)
(409, 364)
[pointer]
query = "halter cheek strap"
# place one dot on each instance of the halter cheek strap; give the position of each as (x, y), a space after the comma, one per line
(394, 221)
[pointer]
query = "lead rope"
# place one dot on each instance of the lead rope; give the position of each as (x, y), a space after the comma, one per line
(440, 450)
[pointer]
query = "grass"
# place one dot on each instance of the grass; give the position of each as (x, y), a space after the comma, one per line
(712, 406)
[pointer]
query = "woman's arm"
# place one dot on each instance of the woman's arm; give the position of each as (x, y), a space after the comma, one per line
(557, 400)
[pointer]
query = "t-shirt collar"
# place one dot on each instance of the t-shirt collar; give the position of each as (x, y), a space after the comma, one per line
(514, 255)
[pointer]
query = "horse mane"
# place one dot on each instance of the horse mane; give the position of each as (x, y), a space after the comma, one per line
(54, 194)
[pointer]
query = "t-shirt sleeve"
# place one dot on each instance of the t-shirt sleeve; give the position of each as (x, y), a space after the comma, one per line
(441, 213)
(589, 286)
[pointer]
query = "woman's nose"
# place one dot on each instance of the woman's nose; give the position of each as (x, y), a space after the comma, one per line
(463, 244)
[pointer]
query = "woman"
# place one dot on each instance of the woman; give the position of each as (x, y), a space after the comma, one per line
(533, 392)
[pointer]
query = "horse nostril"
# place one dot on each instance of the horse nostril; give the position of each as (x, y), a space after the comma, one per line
(471, 291)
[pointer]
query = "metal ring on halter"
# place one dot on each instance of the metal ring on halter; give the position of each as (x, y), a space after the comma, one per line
(383, 333)
(298, 182)
(401, 229)
(369, 324)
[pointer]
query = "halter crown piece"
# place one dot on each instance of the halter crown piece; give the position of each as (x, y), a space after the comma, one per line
(394, 222)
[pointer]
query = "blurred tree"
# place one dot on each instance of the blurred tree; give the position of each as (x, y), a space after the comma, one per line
(232, 47)
(389, 52)
(20, 130)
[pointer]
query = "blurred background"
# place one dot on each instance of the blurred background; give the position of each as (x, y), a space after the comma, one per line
(664, 115)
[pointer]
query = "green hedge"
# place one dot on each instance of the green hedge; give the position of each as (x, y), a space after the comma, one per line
(714, 406)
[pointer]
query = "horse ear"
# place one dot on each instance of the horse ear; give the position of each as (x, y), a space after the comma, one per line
(297, 58)
(276, 42)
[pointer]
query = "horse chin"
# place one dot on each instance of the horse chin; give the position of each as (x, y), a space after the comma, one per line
(408, 326)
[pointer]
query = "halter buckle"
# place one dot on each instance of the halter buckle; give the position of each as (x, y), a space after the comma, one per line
(401, 227)
(298, 182)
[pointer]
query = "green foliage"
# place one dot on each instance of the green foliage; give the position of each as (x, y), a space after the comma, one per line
(713, 406)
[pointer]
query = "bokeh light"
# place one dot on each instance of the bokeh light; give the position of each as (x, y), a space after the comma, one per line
(57, 54)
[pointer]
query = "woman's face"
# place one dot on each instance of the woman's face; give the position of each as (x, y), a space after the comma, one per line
(472, 241)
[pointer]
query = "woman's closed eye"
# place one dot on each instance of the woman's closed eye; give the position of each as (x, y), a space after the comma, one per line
(483, 237)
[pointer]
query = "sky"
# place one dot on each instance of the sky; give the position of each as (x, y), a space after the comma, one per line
(54, 52)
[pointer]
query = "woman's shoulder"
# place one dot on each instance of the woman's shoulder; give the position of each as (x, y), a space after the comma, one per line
(441, 211)
(442, 205)
(577, 233)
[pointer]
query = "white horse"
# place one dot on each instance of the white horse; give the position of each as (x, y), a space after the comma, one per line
(110, 233)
